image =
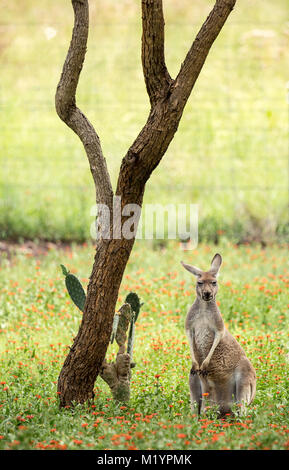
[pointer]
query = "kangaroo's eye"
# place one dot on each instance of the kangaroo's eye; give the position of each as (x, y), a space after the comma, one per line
(214, 283)
(200, 283)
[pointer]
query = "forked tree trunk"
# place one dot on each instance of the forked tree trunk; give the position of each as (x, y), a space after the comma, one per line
(168, 98)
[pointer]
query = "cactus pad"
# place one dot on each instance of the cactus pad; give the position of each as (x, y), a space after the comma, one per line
(74, 288)
(133, 299)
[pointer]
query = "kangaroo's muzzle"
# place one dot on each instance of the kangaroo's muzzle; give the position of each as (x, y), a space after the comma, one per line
(207, 296)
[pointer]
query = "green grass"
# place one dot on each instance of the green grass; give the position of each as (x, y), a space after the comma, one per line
(230, 154)
(38, 322)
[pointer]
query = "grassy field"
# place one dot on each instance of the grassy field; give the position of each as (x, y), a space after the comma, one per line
(230, 155)
(38, 322)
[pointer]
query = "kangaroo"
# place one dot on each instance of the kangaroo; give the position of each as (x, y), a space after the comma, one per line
(220, 367)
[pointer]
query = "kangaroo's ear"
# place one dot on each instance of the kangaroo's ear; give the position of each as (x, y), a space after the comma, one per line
(216, 264)
(192, 269)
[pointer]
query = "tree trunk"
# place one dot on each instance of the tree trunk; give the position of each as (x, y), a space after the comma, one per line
(86, 356)
(168, 98)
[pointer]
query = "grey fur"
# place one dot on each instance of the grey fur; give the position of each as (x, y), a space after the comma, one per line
(220, 367)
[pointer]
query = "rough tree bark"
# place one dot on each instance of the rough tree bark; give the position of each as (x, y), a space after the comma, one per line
(168, 98)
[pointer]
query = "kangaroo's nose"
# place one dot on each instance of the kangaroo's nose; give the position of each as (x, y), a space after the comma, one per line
(207, 295)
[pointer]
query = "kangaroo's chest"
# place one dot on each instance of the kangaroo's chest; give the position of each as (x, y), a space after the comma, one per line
(203, 337)
(203, 333)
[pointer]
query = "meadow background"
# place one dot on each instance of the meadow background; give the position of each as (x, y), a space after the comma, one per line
(38, 322)
(230, 156)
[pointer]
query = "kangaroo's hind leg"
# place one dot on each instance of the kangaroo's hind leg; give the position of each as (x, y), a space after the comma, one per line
(224, 396)
(195, 391)
(245, 383)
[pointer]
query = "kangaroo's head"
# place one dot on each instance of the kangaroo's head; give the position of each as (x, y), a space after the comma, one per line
(207, 286)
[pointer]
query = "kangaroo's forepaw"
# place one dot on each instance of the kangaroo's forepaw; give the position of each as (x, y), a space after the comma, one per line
(195, 368)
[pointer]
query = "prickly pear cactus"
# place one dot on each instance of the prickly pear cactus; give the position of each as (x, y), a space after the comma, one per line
(125, 316)
(117, 374)
(130, 339)
(114, 327)
(74, 288)
(133, 299)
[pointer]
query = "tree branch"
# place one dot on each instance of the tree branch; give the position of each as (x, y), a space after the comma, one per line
(65, 103)
(157, 77)
(199, 50)
(168, 97)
